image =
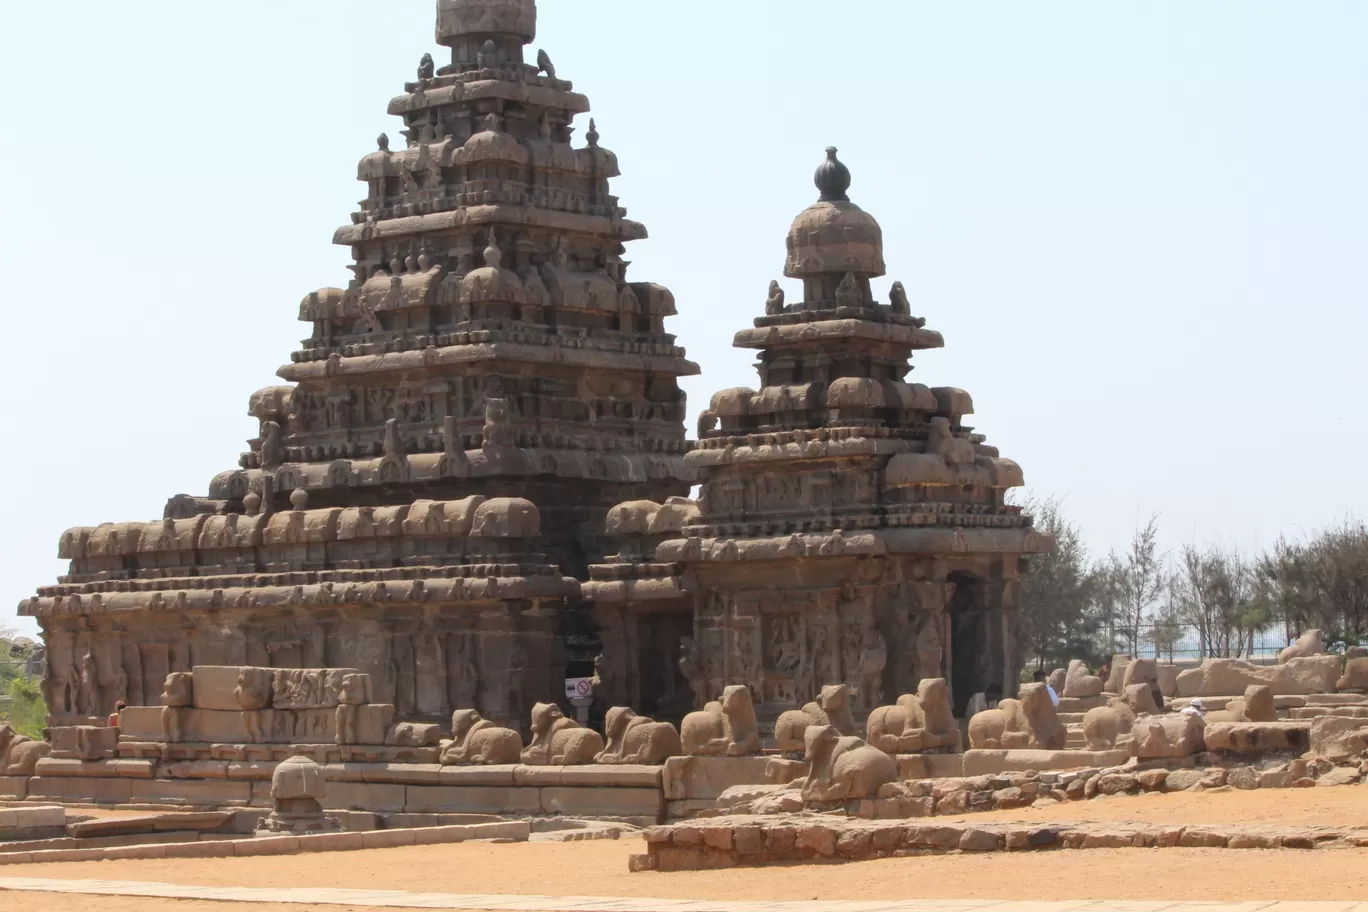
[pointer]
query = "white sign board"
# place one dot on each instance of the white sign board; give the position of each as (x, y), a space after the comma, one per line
(579, 691)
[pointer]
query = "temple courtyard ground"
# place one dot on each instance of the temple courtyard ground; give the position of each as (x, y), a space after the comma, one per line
(549, 875)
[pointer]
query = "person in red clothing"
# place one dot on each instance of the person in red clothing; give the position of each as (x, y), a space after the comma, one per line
(113, 720)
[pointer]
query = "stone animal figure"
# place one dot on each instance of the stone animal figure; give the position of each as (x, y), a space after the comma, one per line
(477, 741)
(558, 741)
(1255, 706)
(19, 754)
(774, 304)
(635, 739)
(832, 707)
(178, 694)
(918, 722)
(1105, 726)
(1029, 722)
(726, 728)
(843, 768)
(1078, 682)
(1311, 643)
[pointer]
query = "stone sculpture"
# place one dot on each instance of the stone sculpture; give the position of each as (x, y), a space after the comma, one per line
(1255, 706)
(350, 700)
(636, 740)
(1231, 677)
(298, 789)
(726, 728)
(477, 741)
(1141, 671)
(19, 754)
(253, 691)
(843, 768)
(774, 304)
(832, 707)
(1170, 736)
(1105, 726)
(1057, 679)
(1311, 643)
(917, 723)
(1078, 682)
(177, 699)
(1355, 677)
(558, 741)
(1028, 722)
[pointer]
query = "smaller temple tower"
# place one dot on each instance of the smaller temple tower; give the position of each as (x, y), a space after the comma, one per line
(851, 527)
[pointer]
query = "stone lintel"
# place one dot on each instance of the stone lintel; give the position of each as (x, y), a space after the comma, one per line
(453, 355)
(864, 330)
(472, 217)
(542, 94)
(949, 541)
(484, 590)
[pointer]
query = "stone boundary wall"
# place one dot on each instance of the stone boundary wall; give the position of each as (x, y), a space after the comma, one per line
(218, 847)
(756, 842)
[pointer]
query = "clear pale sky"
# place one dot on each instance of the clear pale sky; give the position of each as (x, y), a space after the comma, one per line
(1141, 226)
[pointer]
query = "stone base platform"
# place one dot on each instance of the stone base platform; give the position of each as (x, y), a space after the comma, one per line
(209, 846)
(632, 793)
(820, 839)
(31, 823)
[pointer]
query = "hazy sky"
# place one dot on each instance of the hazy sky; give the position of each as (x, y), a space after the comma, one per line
(1140, 225)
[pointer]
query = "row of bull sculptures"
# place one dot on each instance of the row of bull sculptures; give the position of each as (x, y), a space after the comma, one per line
(917, 723)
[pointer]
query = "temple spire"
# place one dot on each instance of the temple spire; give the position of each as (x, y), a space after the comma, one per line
(466, 25)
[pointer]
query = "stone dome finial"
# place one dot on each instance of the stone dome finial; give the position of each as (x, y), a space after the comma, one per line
(458, 19)
(493, 256)
(833, 178)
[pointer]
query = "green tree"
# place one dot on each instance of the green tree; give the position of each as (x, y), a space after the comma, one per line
(28, 712)
(1058, 593)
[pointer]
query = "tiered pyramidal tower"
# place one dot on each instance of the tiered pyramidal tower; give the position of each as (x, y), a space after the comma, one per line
(422, 497)
(852, 529)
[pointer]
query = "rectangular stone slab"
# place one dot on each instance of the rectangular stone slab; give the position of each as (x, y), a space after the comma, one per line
(475, 799)
(698, 778)
(989, 762)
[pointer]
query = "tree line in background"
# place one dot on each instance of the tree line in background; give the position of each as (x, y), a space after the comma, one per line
(1197, 602)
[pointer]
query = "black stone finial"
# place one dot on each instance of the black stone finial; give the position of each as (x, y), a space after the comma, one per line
(593, 135)
(833, 178)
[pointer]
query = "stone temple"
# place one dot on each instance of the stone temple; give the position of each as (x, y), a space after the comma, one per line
(477, 474)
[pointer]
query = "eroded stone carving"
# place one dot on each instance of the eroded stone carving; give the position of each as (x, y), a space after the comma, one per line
(558, 741)
(1079, 683)
(1027, 722)
(634, 739)
(843, 768)
(726, 728)
(917, 723)
(298, 789)
(832, 707)
(477, 741)
(1311, 643)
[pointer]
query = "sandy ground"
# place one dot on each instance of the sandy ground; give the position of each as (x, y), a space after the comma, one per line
(600, 868)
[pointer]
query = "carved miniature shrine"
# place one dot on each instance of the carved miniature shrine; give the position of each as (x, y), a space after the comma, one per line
(851, 527)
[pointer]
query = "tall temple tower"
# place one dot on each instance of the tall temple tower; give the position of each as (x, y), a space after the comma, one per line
(852, 528)
(423, 495)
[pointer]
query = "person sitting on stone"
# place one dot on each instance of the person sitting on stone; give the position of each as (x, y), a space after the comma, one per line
(1195, 708)
(1040, 678)
(113, 720)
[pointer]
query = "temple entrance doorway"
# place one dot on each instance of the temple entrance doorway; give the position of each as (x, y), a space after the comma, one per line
(665, 694)
(968, 640)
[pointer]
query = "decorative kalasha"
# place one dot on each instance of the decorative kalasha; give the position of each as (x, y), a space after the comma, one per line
(422, 497)
(851, 527)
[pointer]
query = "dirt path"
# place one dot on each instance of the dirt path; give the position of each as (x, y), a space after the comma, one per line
(600, 868)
